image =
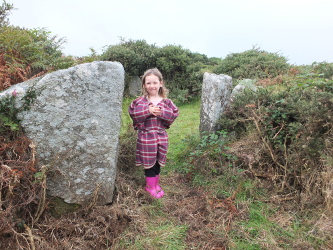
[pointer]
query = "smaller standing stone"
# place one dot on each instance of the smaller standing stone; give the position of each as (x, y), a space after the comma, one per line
(216, 93)
(244, 84)
(134, 86)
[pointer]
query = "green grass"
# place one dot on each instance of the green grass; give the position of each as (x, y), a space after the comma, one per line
(163, 235)
(125, 118)
(258, 232)
(185, 126)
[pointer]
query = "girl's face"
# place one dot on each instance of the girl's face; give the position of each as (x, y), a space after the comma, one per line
(152, 85)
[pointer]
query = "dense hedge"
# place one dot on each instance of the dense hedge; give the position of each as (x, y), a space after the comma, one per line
(253, 64)
(182, 69)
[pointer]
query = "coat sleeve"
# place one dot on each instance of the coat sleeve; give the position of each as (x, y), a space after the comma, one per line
(139, 112)
(169, 113)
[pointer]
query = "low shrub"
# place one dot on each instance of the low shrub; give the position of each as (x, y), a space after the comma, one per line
(323, 68)
(25, 54)
(253, 64)
(135, 55)
(286, 136)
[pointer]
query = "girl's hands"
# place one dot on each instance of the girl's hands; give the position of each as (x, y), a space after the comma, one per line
(154, 110)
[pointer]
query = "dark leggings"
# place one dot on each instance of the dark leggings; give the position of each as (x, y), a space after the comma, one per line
(153, 171)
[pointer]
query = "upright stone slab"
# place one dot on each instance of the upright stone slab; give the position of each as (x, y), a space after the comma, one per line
(242, 85)
(75, 124)
(134, 86)
(216, 92)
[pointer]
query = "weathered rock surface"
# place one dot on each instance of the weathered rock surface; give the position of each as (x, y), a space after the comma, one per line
(75, 124)
(242, 85)
(134, 86)
(216, 92)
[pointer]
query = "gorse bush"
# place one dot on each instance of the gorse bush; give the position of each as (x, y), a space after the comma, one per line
(253, 64)
(323, 68)
(311, 80)
(319, 69)
(291, 130)
(135, 56)
(182, 70)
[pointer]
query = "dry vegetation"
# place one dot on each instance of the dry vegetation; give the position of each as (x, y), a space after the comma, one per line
(12, 75)
(286, 137)
(23, 226)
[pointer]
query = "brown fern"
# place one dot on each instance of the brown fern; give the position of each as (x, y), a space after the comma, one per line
(4, 74)
(38, 74)
(10, 75)
(21, 73)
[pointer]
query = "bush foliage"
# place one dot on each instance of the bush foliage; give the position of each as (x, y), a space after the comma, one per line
(253, 64)
(28, 53)
(325, 69)
(286, 136)
(135, 56)
(181, 68)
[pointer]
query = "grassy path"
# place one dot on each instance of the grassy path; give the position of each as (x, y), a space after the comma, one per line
(185, 125)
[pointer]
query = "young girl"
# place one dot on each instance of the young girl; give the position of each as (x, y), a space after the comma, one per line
(152, 114)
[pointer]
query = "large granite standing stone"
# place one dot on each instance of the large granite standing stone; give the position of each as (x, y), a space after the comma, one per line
(75, 124)
(216, 92)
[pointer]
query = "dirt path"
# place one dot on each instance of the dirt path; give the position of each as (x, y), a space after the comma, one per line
(207, 219)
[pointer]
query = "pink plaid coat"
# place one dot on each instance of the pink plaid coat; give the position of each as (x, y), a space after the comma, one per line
(152, 141)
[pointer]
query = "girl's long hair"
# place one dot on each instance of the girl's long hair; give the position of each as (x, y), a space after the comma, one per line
(163, 91)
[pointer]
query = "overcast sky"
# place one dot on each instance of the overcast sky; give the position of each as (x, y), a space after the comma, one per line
(301, 30)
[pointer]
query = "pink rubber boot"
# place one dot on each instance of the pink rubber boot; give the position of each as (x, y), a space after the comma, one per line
(151, 187)
(158, 187)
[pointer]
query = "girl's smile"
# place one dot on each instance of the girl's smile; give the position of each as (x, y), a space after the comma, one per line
(152, 85)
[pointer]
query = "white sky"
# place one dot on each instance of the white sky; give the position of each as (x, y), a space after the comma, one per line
(301, 30)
